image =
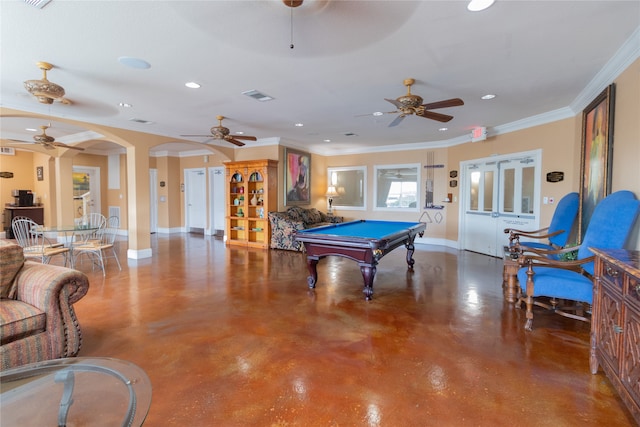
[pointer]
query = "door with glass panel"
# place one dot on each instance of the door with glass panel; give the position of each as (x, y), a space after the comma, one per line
(498, 193)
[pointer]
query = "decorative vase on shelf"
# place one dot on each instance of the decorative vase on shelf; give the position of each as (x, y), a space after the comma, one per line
(254, 200)
(240, 213)
(236, 201)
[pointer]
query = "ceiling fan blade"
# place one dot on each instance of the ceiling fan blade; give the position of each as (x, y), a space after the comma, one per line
(396, 121)
(453, 102)
(247, 138)
(63, 145)
(234, 141)
(435, 116)
(394, 102)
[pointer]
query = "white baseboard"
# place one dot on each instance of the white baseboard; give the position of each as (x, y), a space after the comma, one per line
(139, 254)
(453, 244)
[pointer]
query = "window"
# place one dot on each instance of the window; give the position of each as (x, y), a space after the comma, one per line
(396, 187)
(351, 185)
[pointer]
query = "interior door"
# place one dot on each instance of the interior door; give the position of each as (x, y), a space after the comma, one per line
(480, 207)
(498, 193)
(153, 200)
(195, 199)
(217, 201)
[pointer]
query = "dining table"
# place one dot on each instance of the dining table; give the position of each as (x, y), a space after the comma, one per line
(69, 235)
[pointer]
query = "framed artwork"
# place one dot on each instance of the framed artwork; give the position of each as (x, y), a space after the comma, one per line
(40, 173)
(596, 157)
(297, 177)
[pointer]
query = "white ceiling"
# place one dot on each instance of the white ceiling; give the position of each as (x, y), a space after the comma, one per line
(543, 60)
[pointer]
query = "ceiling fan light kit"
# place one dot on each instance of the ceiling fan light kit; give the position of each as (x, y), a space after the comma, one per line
(44, 90)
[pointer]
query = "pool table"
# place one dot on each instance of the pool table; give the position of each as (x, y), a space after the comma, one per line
(362, 241)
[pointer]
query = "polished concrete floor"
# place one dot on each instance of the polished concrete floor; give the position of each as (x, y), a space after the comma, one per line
(233, 337)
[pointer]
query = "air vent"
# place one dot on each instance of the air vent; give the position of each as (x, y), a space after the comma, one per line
(8, 151)
(37, 3)
(144, 122)
(257, 95)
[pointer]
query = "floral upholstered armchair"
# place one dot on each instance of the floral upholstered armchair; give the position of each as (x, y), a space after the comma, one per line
(284, 225)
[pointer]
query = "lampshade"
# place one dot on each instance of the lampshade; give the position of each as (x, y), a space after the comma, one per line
(331, 192)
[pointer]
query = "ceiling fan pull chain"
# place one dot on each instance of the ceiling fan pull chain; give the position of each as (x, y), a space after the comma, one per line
(291, 45)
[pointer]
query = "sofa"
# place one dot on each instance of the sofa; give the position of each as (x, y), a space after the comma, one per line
(37, 320)
(284, 225)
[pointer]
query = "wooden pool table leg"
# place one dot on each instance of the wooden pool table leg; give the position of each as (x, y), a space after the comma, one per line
(368, 273)
(313, 272)
(410, 250)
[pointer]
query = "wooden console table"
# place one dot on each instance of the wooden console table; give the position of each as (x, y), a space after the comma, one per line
(615, 323)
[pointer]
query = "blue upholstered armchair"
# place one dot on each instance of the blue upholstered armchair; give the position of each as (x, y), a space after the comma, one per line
(609, 227)
(556, 234)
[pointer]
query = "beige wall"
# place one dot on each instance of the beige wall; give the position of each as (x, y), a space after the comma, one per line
(626, 144)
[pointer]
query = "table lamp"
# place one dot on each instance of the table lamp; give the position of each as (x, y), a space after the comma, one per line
(331, 193)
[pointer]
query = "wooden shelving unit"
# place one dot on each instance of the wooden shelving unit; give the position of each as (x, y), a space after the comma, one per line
(251, 193)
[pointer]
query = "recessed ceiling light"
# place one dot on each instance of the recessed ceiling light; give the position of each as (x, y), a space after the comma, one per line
(192, 85)
(299, 125)
(327, 140)
(488, 96)
(240, 133)
(131, 62)
(31, 130)
(443, 129)
(378, 113)
(125, 105)
(478, 5)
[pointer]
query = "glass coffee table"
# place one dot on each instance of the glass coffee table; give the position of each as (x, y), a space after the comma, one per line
(75, 391)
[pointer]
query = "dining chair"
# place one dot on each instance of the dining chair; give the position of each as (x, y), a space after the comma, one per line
(98, 248)
(543, 277)
(34, 243)
(94, 220)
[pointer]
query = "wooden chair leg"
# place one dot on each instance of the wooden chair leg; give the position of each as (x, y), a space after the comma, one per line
(529, 299)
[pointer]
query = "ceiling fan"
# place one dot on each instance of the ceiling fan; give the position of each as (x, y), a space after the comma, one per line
(222, 133)
(47, 141)
(412, 104)
(45, 91)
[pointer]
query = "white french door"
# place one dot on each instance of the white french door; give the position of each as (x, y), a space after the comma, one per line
(497, 193)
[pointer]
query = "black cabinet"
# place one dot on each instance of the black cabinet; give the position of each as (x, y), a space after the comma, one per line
(36, 213)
